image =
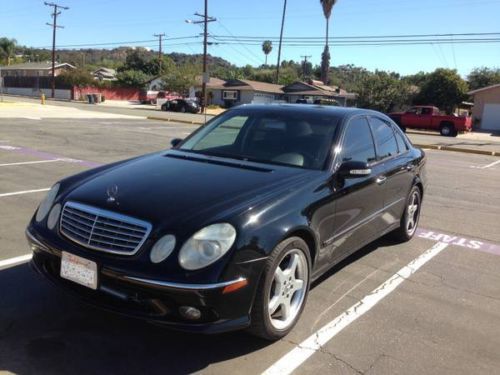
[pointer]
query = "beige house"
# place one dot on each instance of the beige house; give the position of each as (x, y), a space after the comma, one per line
(486, 110)
(35, 69)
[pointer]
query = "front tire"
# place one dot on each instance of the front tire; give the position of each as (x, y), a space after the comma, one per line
(410, 217)
(283, 289)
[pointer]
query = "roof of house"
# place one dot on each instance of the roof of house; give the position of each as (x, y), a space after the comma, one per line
(316, 88)
(105, 70)
(484, 89)
(245, 85)
(37, 66)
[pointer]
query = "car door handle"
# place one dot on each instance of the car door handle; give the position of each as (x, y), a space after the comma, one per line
(381, 180)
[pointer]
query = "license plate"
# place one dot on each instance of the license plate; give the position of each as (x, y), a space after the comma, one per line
(79, 270)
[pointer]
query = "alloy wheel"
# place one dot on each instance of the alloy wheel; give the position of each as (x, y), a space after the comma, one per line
(413, 212)
(288, 289)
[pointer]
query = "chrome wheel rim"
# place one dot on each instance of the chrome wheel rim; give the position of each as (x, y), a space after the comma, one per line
(412, 213)
(446, 130)
(288, 289)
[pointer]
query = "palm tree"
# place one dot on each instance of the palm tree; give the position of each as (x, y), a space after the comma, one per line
(7, 48)
(325, 57)
(267, 47)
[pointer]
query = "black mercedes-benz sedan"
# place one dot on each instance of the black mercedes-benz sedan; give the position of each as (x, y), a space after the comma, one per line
(228, 228)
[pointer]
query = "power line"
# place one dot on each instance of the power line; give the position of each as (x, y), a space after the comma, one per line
(402, 36)
(54, 28)
(121, 43)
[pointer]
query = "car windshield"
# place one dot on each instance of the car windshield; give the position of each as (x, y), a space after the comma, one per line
(294, 138)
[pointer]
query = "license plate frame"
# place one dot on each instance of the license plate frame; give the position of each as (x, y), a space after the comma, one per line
(79, 270)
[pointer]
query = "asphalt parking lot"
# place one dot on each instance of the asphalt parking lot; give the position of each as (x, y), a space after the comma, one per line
(428, 306)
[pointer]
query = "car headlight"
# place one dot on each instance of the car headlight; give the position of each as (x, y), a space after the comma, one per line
(162, 248)
(47, 203)
(54, 216)
(207, 246)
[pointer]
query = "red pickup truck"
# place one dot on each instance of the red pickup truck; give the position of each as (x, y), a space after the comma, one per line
(429, 118)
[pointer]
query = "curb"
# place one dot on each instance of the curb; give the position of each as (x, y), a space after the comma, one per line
(459, 149)
(174, 120)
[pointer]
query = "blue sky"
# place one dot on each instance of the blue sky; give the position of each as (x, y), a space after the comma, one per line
(104, 21)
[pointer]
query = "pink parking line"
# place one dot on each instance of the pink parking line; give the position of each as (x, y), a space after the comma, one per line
(47, 156)
(457, 240)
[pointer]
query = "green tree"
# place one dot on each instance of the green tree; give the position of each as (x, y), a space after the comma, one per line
(267, 47)
(181, 78)
(7, 49)
(444, 88)
(132, 78)
(327, 6)
(383, 91)
(77, 77)
(483, 77)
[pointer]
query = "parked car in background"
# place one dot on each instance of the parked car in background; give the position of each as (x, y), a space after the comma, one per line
(228, 229)
(148, 97)
(430, 118)
(181, 105)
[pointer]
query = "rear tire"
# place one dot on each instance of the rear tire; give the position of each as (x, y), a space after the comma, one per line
(282, 291)
(410, 218)
(448, 130)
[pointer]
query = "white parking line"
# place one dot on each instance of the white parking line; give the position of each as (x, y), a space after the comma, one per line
(293, 359)
(30, 162)
(491, 165)
(486, 166)
(23, 192)
(15, 261)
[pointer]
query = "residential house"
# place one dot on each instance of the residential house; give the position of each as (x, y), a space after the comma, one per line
(34, 69)
(242, 91)
(104, 74)
(314, 90)
(486, 110)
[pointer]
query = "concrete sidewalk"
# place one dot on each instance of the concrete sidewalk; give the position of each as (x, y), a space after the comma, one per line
(476, 142)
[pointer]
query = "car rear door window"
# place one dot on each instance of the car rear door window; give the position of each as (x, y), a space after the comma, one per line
(358, 142)
(384, 138)
(402, 145)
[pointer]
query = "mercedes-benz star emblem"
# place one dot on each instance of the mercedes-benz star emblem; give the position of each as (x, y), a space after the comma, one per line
(112, 192)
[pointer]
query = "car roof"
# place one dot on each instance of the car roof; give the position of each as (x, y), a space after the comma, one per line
(340, 112)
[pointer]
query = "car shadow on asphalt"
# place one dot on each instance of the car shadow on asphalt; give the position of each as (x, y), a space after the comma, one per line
(44, 330)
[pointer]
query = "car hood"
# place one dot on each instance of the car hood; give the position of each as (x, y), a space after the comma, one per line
(169, 189)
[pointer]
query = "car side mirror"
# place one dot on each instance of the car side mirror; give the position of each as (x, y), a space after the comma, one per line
(174, 142)
(354, 169)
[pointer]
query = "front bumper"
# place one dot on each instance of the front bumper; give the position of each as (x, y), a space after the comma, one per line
(155, 301)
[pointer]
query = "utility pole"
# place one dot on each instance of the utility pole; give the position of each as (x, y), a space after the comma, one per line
(205, 77)
(304, 66)
(160, 39)
(54, 27)
(281, 40)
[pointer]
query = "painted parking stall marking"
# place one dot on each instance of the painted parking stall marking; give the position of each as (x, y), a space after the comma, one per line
(23, 192)
(30, 162)
(457, 240)
(46, 155)
(293, 359)
(15, 261)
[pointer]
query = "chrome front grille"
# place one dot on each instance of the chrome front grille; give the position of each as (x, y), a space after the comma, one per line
(103, 230)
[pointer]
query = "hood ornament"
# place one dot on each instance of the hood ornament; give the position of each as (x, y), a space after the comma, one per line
(112, 193)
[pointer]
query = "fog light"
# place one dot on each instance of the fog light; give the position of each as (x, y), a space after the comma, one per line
(189, 312)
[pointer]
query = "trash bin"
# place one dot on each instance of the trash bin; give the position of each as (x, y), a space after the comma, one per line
(96, 98)
(90, 98)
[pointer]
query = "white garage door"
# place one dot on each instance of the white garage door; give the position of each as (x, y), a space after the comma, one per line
(491, 117)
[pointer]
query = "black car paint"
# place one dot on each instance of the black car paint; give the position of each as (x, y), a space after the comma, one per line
(181, 192)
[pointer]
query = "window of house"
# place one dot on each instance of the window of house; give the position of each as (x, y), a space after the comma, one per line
(230, 95)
